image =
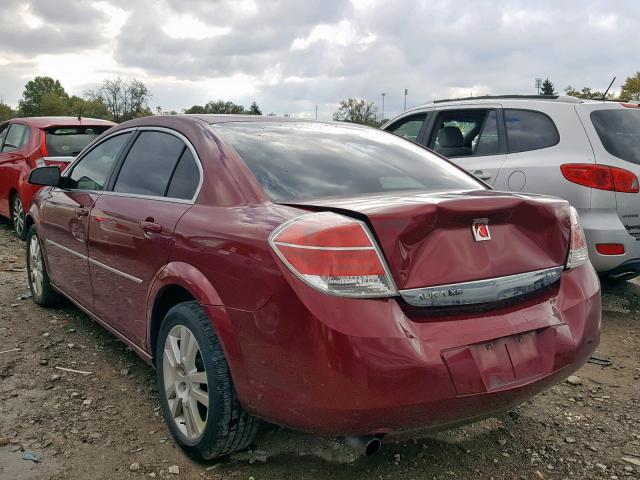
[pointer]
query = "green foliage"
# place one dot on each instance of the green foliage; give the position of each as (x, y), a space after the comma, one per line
(355, 110)
(220, 107)
(124, 99)
(87, 108)
(196, 109)
(548, 88)
(6, 112)
(254, 109)
(588, 94)
(40, 94)
(631, 88)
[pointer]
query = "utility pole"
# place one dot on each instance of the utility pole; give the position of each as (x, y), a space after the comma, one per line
(406, 92)
(316, 111)
(383, 95)
(538, 84)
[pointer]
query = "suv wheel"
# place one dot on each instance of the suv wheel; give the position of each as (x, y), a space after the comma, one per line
(198, 399)
(18, 217)
(41, 290)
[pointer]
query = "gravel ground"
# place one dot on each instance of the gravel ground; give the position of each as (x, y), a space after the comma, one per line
(107, 424)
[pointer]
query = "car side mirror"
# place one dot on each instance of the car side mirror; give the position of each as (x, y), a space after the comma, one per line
(48, 176)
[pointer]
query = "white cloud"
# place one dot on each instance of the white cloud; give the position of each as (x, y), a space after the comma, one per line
(187, 26)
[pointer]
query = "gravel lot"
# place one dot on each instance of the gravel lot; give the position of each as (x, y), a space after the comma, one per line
(107, 424)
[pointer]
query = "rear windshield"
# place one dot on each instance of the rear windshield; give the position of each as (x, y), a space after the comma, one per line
(619, 132)
(296, 161)
(69, 141)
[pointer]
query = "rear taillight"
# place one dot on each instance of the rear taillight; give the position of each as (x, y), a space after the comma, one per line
(578, 253)
(630, 105)
(334, 254)
(602, 177)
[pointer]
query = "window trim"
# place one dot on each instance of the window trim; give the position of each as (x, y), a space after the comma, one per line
(115, 169)
(506, 134)
(502, 134)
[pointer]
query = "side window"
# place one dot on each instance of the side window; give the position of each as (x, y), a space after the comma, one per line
(4, 129)
(529, 130)
(16, 138)
(91, 172)
(408, 127)
(149, 164)
(464, 133)
(488, 142)
(185, 179)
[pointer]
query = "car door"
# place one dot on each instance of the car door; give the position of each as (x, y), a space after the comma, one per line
(471, 137)
(15, 138)
(65, 214)
(131, 226)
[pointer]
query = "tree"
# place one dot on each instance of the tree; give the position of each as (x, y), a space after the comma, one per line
(587, 94)
(254, 109)
(6, 112)
(548, 88)
(356, 110)
(124, 99)
(35, 90)
(223, 107)
(196, 109)
(631, 88)
(77, 106)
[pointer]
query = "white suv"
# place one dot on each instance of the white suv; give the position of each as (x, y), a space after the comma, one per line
(585, 151)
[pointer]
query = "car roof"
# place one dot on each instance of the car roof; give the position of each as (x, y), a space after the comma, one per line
(46, 122)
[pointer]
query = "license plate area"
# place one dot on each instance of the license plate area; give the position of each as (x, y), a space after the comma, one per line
(493, 365)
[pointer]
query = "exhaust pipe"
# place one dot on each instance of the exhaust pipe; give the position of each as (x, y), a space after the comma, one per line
(365, 445)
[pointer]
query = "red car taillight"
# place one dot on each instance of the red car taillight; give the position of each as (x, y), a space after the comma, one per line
(610, 248)
(578, 253)
(334, 254)
(602, 177)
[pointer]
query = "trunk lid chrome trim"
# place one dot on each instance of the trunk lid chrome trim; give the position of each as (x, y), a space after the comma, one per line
(482, 291)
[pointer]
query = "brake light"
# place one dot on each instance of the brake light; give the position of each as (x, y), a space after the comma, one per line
(602, 177)
(43, 144)
(334, 254)
(578, 252)
(610, 248)
(630, 105)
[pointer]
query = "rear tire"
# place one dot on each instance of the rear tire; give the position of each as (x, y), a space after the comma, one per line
(199, 401)
(41, 290)
(18, 217)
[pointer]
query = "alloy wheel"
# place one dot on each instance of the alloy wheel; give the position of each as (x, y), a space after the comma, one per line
(185, 382)
(36, 268)
(18, 216)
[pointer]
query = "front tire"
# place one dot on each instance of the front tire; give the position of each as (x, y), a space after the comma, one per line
(41, 290)
(18, 217)
(199, 402)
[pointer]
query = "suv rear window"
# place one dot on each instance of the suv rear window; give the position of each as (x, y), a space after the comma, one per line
(69, 141)
(619, 132)
(296, 161)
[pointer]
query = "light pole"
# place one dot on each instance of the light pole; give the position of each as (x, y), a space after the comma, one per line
(538, 84)
(383, 95)
(406, 91)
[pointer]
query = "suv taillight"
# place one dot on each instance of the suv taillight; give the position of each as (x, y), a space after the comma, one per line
(578, 253)
(334, 254)
(602, 177)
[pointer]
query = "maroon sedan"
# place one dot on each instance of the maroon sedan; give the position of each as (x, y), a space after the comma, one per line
(26, 143)
(331, 278)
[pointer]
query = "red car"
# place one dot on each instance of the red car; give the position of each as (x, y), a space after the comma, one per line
(26, 143)
(327, 277)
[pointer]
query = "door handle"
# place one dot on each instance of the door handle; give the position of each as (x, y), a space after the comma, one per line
(481, 175)
(150, 226)
(82, 211)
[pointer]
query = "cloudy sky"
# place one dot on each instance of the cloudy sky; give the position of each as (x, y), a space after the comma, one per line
(289, 55)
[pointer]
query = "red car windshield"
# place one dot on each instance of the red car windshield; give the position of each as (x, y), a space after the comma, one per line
(296, 161)
(69, 141)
